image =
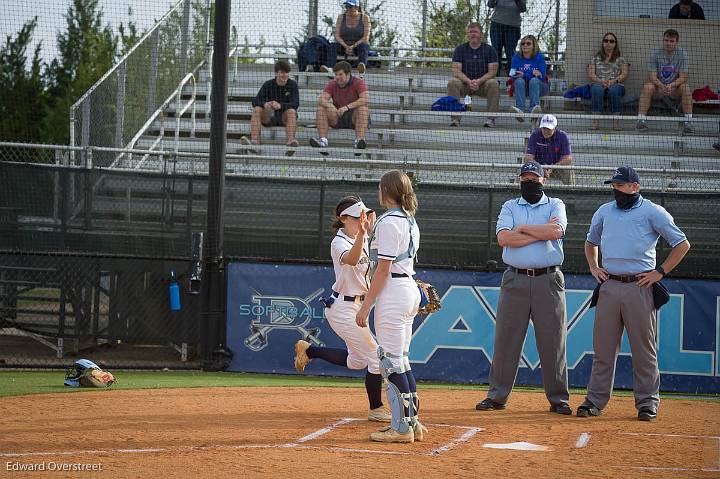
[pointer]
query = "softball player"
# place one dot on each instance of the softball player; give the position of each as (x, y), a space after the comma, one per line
(350, 260)
(394, 241)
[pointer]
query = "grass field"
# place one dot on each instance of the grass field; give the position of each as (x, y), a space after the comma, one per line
(23, 382)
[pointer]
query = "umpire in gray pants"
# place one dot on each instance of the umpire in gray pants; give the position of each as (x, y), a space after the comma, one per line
(627, 231)
(530, 230)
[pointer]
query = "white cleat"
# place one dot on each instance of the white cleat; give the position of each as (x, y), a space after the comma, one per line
(419, 430)
(388, 434)
(379, 414)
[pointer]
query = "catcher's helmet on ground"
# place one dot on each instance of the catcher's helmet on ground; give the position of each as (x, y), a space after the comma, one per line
(73, 373)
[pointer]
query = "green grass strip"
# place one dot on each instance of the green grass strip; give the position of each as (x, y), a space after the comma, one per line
(24, 382)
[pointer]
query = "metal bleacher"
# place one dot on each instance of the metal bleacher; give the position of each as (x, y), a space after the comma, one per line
(404, 131)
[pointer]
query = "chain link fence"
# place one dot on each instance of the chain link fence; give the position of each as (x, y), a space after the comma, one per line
(274, 216)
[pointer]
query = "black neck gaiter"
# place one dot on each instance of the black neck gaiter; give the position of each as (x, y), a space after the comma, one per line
(532, 191)
(625, 201)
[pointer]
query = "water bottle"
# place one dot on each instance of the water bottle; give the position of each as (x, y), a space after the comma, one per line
(174, 290)
(468, 103)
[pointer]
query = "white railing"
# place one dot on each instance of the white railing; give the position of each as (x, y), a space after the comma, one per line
(159, 114)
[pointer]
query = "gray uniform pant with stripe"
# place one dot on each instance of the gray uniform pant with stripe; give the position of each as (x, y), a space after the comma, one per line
(541, 298)
(628, 306)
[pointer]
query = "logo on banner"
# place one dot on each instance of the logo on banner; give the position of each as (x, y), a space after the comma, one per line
(272, 312)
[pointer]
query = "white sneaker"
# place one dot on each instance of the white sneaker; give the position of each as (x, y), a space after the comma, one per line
(536, 110)
(519, 112)
(301, 357)
(388, 434)
(419, 430)
(309, 68)
(490, 123)
(379, 414)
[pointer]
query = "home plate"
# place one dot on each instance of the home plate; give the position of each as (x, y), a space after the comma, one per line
(518, 446)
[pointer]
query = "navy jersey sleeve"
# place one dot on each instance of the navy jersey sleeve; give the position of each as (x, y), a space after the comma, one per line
(262, 96)
(294, 100)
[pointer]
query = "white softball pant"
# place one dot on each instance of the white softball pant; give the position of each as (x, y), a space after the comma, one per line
(362, 348)
(395, 309)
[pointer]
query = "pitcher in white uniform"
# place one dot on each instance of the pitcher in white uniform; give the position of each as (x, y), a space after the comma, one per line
(394, 241)
(349, 253)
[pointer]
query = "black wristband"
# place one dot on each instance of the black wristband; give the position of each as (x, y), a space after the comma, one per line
(660, 270)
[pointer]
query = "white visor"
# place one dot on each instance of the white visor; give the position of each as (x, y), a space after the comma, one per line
(355, 210)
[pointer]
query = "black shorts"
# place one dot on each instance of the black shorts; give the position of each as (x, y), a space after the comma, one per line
(345, 121)
(275, 119)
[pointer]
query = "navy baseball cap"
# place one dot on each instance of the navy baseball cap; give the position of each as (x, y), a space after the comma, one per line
(532, 167)
(624, 174)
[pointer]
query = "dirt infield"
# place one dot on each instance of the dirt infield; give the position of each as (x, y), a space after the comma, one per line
(320, 432)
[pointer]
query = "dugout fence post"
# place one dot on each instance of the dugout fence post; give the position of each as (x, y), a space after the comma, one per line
(213, 316)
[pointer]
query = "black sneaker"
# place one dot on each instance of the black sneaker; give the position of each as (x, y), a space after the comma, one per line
(488, 404)
(588, 409)
(647, 414)
(360, 144)
(321, 143)
(561, 408)
(717, 146)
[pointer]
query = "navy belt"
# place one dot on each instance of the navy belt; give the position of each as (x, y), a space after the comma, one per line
(399, 275)
(532, 272)
(625, 278)
(348, 298)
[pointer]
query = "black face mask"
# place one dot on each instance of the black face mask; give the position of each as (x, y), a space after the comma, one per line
(532, 191)
(625, 201)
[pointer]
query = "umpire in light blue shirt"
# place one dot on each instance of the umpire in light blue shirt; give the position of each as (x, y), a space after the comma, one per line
(627, 231)
(530, 230)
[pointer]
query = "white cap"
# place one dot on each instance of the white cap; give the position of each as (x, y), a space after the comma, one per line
(354, 210)
(548, 121)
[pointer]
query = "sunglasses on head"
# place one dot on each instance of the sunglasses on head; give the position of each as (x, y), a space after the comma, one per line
(608, 40)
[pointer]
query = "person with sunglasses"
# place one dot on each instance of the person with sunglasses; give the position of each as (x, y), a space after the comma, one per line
(607, 71)
(528, 71)
(352, 37)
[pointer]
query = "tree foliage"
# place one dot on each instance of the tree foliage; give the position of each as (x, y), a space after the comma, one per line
(22, 103)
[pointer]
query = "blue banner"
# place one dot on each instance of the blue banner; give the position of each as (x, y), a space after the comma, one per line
(270, 307)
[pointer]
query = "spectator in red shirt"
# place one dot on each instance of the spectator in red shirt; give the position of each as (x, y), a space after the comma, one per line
(343, 104)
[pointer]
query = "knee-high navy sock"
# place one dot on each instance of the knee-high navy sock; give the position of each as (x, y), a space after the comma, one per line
(400, 380)
(332, 355)
(373, 385)
(413, 388)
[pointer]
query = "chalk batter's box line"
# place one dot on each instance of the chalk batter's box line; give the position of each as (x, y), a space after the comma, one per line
(685, 436)
(468, 433)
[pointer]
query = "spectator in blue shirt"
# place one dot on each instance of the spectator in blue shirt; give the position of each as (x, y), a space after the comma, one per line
(549, 146)
(626, 231)
(528, 71)
(474, 66)
(530, 230)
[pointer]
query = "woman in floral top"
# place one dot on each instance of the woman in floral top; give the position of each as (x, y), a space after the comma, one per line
(607, 70)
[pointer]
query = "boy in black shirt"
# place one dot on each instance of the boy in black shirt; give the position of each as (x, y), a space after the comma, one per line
(275, 104)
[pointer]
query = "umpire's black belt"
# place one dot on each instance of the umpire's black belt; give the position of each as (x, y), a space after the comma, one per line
(534, 272)
(348, 298)
(625, 278)
(399, 275)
